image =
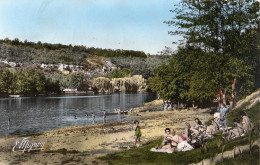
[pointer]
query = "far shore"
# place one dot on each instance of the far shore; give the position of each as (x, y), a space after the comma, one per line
(45, 94)
(61, 93)
(84, 144)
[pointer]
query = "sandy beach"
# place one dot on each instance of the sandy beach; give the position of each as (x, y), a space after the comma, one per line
(85, 143)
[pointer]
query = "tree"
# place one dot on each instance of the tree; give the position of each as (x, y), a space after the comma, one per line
(30, 81)
(76, 79)
(166, 51)
(7, 81)
(226, 30)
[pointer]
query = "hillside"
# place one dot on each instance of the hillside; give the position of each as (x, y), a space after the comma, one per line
(67, 66)
(21, 52)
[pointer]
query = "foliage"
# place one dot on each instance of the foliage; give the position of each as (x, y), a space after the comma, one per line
(28, 54)
(217, 26)
(76, 79)
(221, 43)
(120, 73)
(60, 81)
(52, 86)
(115, 53)
(26, 81)
(188, 76)
(141, 66)
(31, 81)
(18, 51)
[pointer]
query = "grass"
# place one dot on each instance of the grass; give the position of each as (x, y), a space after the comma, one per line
(245, 158)
(212, 147)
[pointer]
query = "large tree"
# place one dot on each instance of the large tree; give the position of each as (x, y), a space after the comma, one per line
(224, 33)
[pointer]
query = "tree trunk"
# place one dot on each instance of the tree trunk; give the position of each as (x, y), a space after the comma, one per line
(224, 96)
(232, 100)
(219, 98)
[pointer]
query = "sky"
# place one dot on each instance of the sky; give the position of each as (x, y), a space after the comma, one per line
(114, 24)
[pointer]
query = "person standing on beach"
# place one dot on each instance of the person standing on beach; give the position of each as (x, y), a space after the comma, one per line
(138, 132)
(8, 123)
(118, 114)
(93, 118)
(104, 116)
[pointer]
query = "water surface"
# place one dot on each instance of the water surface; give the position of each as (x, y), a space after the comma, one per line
(37, 114)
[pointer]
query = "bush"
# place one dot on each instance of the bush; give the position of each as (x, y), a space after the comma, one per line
(120, 73)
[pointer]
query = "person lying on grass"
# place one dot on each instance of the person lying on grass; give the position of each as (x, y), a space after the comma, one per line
(138, 132)
(245, 121)
(237, 131)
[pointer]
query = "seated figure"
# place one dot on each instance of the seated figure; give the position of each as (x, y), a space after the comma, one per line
(237, 131)
(216, 119)
(186, 135)
(167, 137)
(198, 128)
(168, 142)
(245, 122)
(212, 129)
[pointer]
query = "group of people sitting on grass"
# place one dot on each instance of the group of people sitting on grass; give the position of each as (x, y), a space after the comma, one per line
(194, 136)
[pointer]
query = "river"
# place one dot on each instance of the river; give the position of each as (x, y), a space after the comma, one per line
(37, 114)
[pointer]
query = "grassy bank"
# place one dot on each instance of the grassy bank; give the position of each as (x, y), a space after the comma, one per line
(246, 158)
(212, 147)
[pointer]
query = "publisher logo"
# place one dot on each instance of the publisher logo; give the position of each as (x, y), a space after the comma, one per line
(26, 145)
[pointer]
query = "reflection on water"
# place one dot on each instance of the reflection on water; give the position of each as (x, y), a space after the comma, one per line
(37, 114)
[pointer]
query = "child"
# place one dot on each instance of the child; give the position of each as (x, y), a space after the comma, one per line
(138, 132)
